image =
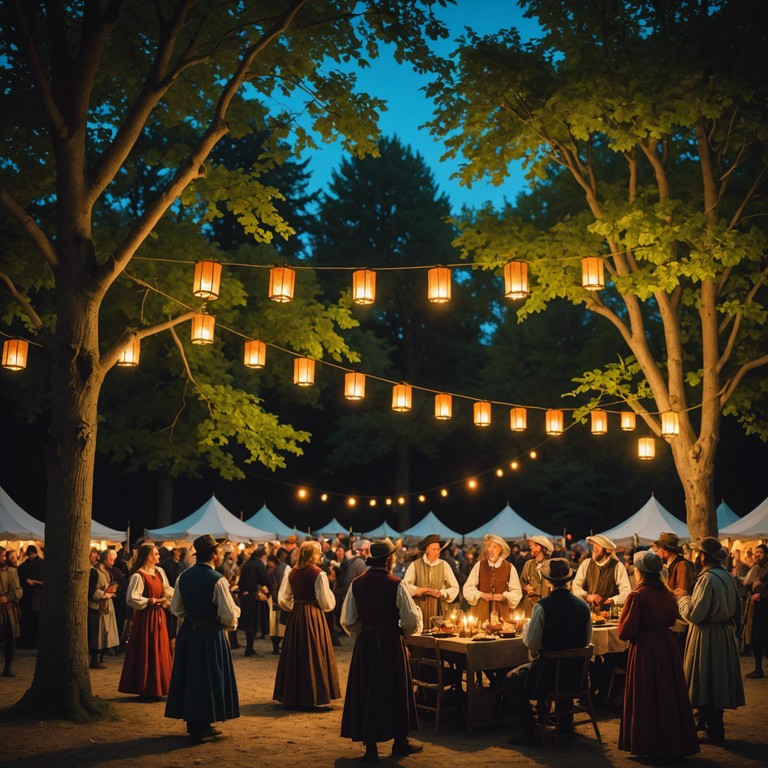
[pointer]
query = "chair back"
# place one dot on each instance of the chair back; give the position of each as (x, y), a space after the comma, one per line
(570, 669)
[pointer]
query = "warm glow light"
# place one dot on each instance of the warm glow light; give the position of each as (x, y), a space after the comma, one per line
(372, 502)
(499, 472)
(516, 280)
(592, 273)
(255, 354)
(388, 502)
(351, 501)
(518, 419)
(599, 422)
(363, 286)
(130, 354)
(514, 464)
(354, 386)
(670, 424)
(302, 493)
(646, 448)
(281, 283)
(202, 328)
(439, 285)
(472, 484)
(533, 455)
(554, 422)
(207, 279)
(628, 420)
(443, 406)
(402, 397)
(401, 500)
(422, 498)
(324, 497)
(482, 413)
(444, 492)
(15, 354)
(303, 371)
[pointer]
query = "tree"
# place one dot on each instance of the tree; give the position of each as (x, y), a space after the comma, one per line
(656, 114)
(102, 74)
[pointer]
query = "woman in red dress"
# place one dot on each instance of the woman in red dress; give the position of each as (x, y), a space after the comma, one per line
(306, 673)
(147, 665)
(657, 720)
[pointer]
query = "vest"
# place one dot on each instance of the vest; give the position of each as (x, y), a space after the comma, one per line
(375, 593)
(196, 586)
(303, 583)
(495, 581)
(602, 581)
(565, 621)
(680, 573)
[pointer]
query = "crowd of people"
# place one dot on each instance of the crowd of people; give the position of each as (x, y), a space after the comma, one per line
(173, 613)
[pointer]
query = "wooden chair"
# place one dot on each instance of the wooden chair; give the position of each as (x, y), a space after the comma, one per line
(573, 700)
(616, 673)
(431, 674)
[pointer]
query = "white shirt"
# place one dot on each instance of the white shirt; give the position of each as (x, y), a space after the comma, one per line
(449, 594)
(411, 621)
(513, 593)
(325, 598)
(227, 611)
(621, 576)
(135, 594)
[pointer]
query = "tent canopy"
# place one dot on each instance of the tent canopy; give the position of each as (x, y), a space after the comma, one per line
(214, 518)
(430, 524)
(104, 533)
(331, 529)
(15, 523)
(383, 531)
(754, 525)
(647, 523)
(265, 520)
(507, 524)
(725, 516)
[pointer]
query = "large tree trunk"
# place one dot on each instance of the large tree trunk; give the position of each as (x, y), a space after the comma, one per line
(695, 466)
(61, 687)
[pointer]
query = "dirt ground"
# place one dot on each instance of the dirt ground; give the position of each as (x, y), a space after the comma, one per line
(267, 734)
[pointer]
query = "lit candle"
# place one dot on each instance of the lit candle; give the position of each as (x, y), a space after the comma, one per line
(465, 626)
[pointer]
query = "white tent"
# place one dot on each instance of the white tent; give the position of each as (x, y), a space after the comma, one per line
(751, 526)
(430, 524)
(725, 516)
(101, 532)
(507, 524)
(15, 523)
(647, 523)
(265, 520)
(383, 531)
(214, 518)
(331, 529)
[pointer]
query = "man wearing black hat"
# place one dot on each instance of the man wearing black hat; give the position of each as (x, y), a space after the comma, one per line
(377, 612)
(680, 573)
(558, 622)
(203, 688)
(430, 580)
(711, 663)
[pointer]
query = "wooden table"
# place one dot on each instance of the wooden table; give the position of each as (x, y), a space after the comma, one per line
(474, 657)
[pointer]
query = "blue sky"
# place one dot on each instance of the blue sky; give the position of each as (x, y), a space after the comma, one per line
(408, 107)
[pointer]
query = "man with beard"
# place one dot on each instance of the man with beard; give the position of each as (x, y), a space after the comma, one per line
(533, 586)
(430, 580)
(493, 584)
(602, 579)
(755, 588)
(680, 573)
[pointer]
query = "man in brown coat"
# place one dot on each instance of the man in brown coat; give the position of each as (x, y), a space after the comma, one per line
(680, 572)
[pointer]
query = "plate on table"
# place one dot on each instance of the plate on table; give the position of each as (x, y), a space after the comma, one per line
(482, 639)
(507, 635)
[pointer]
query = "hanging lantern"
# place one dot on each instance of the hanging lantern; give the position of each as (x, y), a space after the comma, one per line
(402, 397)
(646, 448)
(202, 328)
(599, 422)
(518, 419)
(363, 286)
(130, 354)
(439, 285)
(628, 421)
(281, 282)
(516, 280)
(15, 354)
(443, 406)
(592, 273)
(554, 422)
(354, 386)
(303, 371)
(670, 424)
(255, 354)
(482, 413)
(207, 279)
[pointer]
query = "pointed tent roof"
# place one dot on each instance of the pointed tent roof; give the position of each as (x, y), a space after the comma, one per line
(15, 523)
(725, 516)
(648, 522)
(507, 524)
(383, 531)
(754, 525)
(431, 524)
(214, 518)
(331, 529)
(99, 531)
(265, 520)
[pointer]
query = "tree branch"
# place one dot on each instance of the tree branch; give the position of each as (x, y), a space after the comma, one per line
(30, 228)
(177, 342)
(37, 323)
(740, 374)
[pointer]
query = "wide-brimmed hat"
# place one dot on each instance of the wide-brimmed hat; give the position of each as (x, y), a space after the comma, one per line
(542, 541)
(557, 570)
(433, 538)
(602, 540)
(380, 551)
(206, 543)
(292, 539)
(492, 538)
(711, 546)
(669, 541)
(647, 561)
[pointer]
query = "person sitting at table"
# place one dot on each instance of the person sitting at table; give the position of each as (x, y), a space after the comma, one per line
(493, 583)
(602, 579)
(430, 580)
(558, 622)
(533, 586)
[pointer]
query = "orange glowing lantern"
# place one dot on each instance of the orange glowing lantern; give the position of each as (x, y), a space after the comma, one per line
(354, 386)
(402, 397)
(255, 354)
(202, 328)
(646, 448)
(599, 422)
(554, 422)
(670, 424)
(363, 286)
(628, 421)
(482, 412)
(207, 279)
(15, 354)
(439, 285)
(129, 356)
(443, 406)
(518, 419)
(281, 284)
(593, 273)
(516, 280)
(303, 371)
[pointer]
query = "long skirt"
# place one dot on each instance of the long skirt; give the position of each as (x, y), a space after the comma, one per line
(306, 673)
(147, 665)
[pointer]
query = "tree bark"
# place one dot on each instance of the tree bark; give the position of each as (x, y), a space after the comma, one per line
(695, 464)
